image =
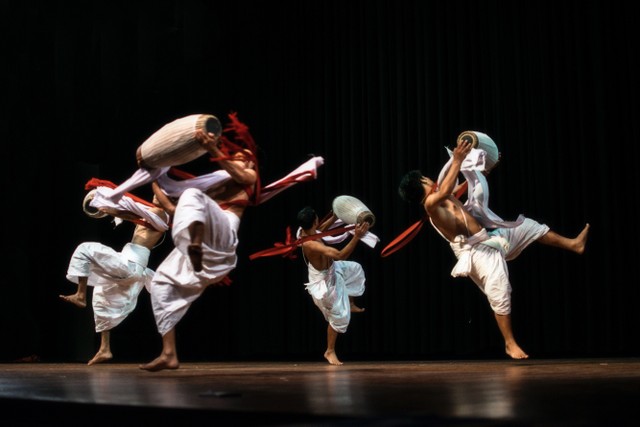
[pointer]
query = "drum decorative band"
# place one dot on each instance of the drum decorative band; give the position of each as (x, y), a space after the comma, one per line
(352, 211)
(483, 142)
(90, 210)
(174, 144)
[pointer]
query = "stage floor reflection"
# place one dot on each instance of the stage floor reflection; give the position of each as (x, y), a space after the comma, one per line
(440, 393)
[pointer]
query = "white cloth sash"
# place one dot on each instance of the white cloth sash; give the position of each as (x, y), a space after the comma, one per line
(462, 246)
(103, 198)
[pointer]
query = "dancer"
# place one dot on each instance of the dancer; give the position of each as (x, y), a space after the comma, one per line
(117, 277)
(333, 281)
(481, 240)
(204, 231)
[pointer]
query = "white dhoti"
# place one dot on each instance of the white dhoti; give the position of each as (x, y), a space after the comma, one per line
(176, 285)
(330, 290)
(483, 257)
(117, 279)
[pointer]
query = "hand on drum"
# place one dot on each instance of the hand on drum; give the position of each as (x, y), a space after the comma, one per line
(361, 229)
(207, 140)
(462, 149)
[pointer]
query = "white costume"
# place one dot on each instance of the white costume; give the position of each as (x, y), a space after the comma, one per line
(483, 257)
(330, 290)
(176, 285)
(117, 279)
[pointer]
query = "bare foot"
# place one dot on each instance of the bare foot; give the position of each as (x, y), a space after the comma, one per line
(332, 357)
(101, 356)
(515, 352)
(161, 362)
(195, 255)
(581, 240)
(356, 309)
(74, 299)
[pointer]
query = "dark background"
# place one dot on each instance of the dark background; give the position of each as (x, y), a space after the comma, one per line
(376, 87)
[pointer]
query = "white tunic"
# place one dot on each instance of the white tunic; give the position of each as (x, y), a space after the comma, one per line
(117, 279)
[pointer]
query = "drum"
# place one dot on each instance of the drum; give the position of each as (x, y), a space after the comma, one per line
(483, 142)
(90, 210)
(352, 211)
(174, 144)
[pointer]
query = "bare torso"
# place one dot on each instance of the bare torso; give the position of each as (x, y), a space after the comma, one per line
(142, 235)
(312, 251)
(145, 236)
(452, 220)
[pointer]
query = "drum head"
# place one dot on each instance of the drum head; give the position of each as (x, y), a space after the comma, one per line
(91, 211)
(213, 125)
(469, 136)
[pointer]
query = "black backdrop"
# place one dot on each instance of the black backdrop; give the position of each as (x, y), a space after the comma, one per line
(376, 87)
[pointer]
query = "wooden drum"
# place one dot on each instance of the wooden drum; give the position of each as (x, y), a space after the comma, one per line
(483, 142)
(352, 211)
(174, 144)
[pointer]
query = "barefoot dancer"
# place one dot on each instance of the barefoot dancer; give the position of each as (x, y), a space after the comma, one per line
(333, 281)
(204, 231)
(117, 277)
(482, 254)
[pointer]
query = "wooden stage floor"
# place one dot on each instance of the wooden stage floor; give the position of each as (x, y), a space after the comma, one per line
(558, 392)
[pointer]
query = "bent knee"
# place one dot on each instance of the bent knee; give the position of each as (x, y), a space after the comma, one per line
(501, 307)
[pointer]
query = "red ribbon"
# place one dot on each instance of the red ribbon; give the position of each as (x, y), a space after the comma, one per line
(404, 238)
(289, 246)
